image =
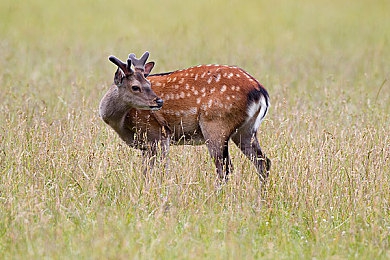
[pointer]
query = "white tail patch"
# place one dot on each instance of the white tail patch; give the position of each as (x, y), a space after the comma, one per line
(259, 110)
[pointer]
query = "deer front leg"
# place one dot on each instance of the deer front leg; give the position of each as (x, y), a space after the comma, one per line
(156, 152)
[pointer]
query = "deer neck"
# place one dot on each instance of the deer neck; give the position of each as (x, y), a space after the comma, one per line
(114, 111)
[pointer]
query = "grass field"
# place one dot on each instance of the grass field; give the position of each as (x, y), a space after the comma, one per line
(71, 189)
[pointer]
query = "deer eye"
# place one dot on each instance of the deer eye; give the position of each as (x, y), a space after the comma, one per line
(136, 88)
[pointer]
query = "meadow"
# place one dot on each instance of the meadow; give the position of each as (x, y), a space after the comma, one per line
(71, 189)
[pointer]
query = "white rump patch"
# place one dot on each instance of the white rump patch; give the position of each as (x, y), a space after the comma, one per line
(258, 109)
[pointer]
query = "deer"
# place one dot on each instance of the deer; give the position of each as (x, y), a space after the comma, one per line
(205, 104)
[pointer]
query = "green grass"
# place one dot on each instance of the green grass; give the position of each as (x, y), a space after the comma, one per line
(70, 188)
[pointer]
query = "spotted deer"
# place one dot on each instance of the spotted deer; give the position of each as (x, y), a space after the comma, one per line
(206, 104)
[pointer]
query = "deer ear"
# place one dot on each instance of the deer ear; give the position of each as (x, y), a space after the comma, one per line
(119, 75)
(148, 68)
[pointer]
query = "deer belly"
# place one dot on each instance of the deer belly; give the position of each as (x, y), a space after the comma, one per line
(186, 132)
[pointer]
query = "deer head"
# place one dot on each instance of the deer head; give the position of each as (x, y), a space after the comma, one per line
(133, 87)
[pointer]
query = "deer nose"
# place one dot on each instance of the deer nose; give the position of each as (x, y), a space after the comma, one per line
(159, 102)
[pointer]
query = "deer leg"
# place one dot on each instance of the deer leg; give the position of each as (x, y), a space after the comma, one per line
(164, 152)
(220, 155)
(217, 144)
(148, 160)
(249, 145)
(156, 152)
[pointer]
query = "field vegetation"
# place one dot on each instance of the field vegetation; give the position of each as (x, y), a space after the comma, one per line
(71, 189)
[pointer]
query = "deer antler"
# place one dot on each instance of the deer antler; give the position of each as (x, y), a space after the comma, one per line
(139, 64)
(126, 68)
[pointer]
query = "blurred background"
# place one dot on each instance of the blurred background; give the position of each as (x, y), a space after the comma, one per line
(68, 184)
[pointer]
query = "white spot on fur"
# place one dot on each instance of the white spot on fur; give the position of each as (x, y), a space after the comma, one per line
(230, 75)
(218, 77)
(196, 76)
(176, 87)
(181, 80)
(188, 94)
(196, 92)
(191, 111)
(203, 74)
(182, 95)
(223, 88)
(210, 103)
(228, 106)
(237, 88)
(203, 90)
(212, 90)
(233, 87)
(209, 80)
(157, 84)
(218, 103)
(187, 86)
(238, 75)
(198, 100)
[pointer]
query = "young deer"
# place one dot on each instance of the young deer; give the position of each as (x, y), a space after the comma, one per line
(205, 104)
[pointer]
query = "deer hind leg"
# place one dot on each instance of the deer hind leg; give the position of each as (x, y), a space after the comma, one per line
(249, 145)
(217, 144)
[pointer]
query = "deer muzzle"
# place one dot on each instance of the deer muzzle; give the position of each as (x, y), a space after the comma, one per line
(159, 103)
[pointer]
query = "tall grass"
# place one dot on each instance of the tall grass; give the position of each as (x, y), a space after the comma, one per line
(69, 188)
